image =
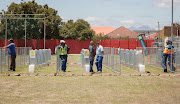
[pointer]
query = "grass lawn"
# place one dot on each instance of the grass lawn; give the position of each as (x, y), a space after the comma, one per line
(89, 90)
(73, 67)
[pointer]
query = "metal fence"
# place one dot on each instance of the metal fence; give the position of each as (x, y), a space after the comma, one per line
(58, 60)
(116, 58)
(84, 59)
(154, 58)
(40, 57)
(111, 59)
(22, 57)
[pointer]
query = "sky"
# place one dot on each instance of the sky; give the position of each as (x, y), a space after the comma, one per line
(113, 13)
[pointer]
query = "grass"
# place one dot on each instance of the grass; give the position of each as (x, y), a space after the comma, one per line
(73, 67)
(90, 90)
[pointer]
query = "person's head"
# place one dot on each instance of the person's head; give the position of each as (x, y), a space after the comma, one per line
(92, 43)
(97, 43)
(11, 41)
(62, 42)
(168, 42)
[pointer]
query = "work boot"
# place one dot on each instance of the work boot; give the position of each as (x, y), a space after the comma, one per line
(165, 70)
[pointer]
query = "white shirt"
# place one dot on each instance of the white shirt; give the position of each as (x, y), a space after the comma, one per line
(99, 50)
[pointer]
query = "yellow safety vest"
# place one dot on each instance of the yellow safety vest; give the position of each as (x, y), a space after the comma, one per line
(63, 51)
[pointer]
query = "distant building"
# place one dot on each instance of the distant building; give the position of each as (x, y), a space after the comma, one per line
(166, 31)
(146, 32)
(122, 32)
(102, 30)
(152, 36)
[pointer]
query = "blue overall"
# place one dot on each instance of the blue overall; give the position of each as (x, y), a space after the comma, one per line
(98, 63)
(64, 59)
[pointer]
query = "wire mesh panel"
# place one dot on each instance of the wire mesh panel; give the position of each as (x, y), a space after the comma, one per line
(22, 58)
(39, 58)
(112, 59)
(84, 61)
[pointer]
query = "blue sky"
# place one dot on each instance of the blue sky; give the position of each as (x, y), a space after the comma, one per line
(113, 13)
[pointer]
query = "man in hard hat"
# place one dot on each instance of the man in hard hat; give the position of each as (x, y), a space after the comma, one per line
(63, 50)
(171, 54)
(99, 57)
(166, 54)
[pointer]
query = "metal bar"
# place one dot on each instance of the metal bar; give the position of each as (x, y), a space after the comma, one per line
(172, 32)
(44, 33)
(22, 18)
(20, 14)
(25, 33)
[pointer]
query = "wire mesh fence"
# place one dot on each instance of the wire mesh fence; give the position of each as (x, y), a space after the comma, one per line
(40, 57)
(22, 58)
(116, 59)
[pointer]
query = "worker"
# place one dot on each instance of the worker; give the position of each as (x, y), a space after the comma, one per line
(12, 52)
(91, 55)
(165, 56)
(63, 50)
(171, 54)
(99, 57)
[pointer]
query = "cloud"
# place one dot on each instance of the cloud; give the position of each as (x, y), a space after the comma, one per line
(128, 21)
(90, 19)
(109, 22)
(167, 3)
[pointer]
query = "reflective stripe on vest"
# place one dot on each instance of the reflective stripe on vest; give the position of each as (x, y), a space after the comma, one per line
(63, 51)
(168, 51)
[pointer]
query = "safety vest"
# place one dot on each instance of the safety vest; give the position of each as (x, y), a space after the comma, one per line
(63, 51)
(168, 51)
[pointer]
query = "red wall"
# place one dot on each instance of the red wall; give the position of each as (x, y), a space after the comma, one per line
(76, 46)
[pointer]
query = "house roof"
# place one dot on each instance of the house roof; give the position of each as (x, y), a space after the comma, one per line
(122, 32)
(152, 36)
(103, 30)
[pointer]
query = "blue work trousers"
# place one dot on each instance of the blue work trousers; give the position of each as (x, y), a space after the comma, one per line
(164, 60)
(63, 64)
(98, 63)
(171, 63)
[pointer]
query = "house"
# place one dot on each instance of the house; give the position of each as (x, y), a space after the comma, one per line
(153, 36)
(122, 32)
(102, 30)
(166, 31)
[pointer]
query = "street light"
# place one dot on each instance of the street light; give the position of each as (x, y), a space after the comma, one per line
(158, 32)
(172, 24)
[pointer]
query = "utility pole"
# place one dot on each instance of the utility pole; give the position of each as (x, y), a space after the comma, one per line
(172, 24)
(158, 33)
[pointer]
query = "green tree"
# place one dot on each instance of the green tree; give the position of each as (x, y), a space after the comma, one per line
(79, 30)
(35, 27)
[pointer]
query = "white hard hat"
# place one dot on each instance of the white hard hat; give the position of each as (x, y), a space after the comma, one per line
(62, 41)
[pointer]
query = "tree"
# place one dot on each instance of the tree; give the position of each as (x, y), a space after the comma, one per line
(79, 30)
(35, 28)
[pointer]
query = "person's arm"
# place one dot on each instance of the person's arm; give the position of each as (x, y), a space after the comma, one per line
(102, 50)
(91, 53)
(6, 46)
(68, 49)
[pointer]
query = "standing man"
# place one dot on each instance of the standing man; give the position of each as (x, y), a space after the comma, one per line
(63, 50)
(99, 57)
(12, 52)
(91, 55)
(171, 54)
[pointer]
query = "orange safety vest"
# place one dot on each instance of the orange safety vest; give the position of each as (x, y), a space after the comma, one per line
(168, 51)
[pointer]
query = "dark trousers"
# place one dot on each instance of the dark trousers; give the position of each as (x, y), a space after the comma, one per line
(91, 65)
(63, 65)
(13, 62)
(172, 68)
(164, 60)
